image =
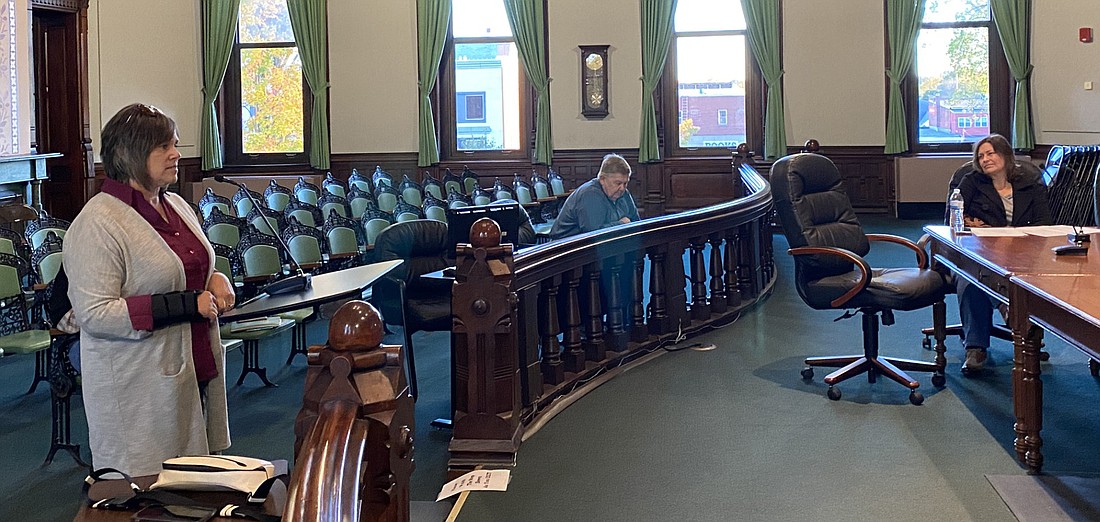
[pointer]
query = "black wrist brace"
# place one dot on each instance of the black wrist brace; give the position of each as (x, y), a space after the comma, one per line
(176, 307)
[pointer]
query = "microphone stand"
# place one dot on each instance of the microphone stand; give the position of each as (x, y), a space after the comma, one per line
(295, 283)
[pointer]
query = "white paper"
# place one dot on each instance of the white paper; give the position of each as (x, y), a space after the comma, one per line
(997, 232)
(1056, 230)
(477, 480)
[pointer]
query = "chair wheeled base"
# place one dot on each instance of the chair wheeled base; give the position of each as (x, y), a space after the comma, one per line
(873, 365)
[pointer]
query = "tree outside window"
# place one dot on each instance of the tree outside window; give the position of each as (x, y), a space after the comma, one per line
(955, 49)
(264, 94)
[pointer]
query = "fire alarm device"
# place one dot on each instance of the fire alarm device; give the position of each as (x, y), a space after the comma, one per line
(1086, 35)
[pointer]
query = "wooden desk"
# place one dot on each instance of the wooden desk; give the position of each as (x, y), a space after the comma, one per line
(1042, 288)
(1060, 304)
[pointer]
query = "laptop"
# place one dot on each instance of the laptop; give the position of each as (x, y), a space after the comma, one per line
(459, 221)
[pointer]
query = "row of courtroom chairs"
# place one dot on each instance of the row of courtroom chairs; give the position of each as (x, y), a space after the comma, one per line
(25, 277)
(1070, 174)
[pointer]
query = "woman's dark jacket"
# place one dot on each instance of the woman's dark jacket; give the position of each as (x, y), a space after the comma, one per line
(1030, 205)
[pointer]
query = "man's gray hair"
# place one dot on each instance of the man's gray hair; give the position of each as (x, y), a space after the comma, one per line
(614, 164)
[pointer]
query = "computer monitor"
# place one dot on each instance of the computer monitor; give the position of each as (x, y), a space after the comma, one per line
(459, 221)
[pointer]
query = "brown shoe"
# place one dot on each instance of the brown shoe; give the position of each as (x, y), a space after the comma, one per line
(975, 360)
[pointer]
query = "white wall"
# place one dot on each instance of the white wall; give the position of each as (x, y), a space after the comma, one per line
(833, 80)
(587, 22)
(373, 74)
(1065, 113)
(149, 50)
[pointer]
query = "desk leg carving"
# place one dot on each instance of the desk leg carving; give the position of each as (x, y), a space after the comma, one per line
(1027, 386)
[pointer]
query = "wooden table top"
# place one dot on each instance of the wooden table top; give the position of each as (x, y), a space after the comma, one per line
(1020, 254)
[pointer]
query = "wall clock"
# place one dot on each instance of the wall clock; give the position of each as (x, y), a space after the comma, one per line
(594, 93)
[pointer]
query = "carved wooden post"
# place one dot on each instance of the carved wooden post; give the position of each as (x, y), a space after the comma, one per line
(638, 330)
(572, 340)
(553, 370)
(729, 264)
(717, 284)
(659, 321)
(484, 346)
(358, 386)
(616, 333)
(700, 308)
(594, 347)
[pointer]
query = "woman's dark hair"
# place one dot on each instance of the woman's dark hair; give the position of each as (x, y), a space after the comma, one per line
(128, 139)
(1004, 149)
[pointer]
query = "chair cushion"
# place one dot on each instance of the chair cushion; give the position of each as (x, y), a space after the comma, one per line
(429, 313)
(893, 288)
(28, 341)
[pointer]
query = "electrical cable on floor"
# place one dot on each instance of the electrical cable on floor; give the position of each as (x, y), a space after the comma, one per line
(544, 414)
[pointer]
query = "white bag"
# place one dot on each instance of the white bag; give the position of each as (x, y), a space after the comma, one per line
(215, 473)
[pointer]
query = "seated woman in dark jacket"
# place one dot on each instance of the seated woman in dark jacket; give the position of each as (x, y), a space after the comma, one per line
(994, 195)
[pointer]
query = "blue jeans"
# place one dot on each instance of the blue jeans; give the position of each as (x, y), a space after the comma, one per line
(976, 312)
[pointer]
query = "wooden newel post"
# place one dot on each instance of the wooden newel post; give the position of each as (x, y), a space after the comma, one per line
(355, 398)
(484, 347)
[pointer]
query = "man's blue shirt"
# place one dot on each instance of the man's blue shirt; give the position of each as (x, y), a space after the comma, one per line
(588, 208)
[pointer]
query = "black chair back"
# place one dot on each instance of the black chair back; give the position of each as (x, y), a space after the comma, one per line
(815, 211)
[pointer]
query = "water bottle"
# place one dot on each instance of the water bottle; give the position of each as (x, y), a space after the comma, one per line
(955, 209)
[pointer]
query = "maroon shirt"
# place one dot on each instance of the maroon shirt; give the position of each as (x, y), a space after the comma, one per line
(196, 264)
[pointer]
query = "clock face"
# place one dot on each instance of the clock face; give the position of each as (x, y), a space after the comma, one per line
(593, 61)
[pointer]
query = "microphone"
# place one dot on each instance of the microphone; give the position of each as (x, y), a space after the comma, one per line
(286, 285)
(1078, 236)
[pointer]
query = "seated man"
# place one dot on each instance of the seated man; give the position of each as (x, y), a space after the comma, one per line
(598, 203)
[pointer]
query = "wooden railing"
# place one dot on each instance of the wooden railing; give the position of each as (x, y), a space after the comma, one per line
(353, 436)
(533, 327)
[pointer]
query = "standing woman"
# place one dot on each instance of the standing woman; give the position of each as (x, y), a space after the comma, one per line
(146, 299)
(994, 195)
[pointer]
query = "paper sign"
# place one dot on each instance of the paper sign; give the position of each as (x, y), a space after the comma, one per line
(1056, 230)
(997, 232)
(477, 480)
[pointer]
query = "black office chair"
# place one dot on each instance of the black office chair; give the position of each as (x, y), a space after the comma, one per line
(828, 245)
(424, 305)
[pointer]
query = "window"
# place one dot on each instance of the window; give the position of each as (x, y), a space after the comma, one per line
(710, 70)
(471, 107)
(265, 101)
(483, 87)
(960, 77)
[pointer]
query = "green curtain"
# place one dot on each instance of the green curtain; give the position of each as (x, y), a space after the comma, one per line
(656, 35)
(762, 18)
(903, 18)
(528, 22)
(432, 18)
(1011, 18)
(309, 20)
(219, 27)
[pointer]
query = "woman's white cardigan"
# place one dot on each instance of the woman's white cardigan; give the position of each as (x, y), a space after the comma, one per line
(140, 392)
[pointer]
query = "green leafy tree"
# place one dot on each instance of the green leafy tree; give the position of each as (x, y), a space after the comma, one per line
(271, 80)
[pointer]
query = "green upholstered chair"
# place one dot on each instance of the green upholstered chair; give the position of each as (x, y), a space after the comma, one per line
(37, 229)
(333, 203)
(277, 196)
(242, 204)
(411, 192)
(433, 186)
(16, 335)
(306, 191)
(343, 242)
(386, 196)
(359, 201)
(222, 228)
(452, 182)
(381, 177)
(361, 182)
(210, 201)
(469, 180)
(334, 186)
(304, 213)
